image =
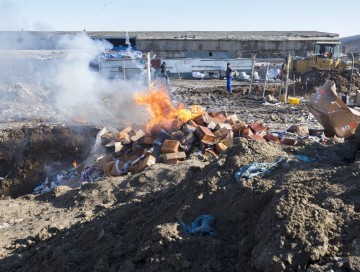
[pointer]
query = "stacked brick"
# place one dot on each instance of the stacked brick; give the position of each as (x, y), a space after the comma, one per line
(133, 150)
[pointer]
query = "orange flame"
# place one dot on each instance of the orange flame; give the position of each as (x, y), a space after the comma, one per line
(75, 163)
(162, 111)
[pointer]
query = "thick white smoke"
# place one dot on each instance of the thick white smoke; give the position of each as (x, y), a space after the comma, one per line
(73, 89)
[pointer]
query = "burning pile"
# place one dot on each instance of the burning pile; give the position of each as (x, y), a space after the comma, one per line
(171, 135)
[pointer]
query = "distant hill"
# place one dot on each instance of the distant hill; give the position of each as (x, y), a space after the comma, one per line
(352, 44)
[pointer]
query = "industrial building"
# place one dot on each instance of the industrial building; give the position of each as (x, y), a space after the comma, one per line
(184, 52)
(220, 45)
(190, 44)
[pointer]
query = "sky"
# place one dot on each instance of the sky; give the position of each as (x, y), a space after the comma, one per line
(331, 16)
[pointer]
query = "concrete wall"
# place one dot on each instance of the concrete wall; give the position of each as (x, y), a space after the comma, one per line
(225, 49)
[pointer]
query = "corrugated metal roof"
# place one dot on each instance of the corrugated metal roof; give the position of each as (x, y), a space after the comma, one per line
(220, 35)
(196, 35)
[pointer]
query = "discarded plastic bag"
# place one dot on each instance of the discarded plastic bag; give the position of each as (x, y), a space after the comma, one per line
(200, 225)
(256, 75)
(256, 169)
(305, 158)
(244, 76)
(198, 75)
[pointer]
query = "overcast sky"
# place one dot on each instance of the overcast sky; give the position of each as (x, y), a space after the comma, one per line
(341, 17)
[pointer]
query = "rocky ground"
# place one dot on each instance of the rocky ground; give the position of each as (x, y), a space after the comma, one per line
(302, 216)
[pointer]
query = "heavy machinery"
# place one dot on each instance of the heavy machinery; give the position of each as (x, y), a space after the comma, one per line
(325, 58)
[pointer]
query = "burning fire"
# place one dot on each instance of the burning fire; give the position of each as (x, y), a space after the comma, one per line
(75, 163)
(162, 111)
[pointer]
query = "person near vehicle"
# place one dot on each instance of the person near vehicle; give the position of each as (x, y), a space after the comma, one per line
(163, 72)
(229, 75)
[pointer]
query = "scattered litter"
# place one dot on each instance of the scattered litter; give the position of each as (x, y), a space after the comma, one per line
(256, 169)
(70, 178)
(198, 75)
(243, 76)
(305, 158)
(273, 73)
(200, 225)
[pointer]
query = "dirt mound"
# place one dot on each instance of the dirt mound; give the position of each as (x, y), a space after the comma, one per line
(342, 80)
(300, 216)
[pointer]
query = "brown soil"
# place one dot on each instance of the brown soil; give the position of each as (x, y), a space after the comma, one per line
(303, 216)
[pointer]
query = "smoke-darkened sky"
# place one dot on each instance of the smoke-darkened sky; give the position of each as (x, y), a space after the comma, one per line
(332, 16)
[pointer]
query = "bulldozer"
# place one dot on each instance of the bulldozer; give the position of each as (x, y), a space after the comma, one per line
(325, 58)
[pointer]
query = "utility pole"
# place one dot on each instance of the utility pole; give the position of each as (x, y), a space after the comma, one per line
(253, 56)
(287, 76)
(351, 76)
(148, 69)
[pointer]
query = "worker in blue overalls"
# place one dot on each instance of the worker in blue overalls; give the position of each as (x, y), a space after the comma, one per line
(229, 76)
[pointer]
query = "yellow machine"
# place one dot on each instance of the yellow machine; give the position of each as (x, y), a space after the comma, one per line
(325, 58)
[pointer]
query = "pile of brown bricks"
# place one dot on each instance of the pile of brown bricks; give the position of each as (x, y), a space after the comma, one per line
(133, 149)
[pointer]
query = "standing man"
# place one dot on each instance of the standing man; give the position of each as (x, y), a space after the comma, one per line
(228, 75)
(163, 72)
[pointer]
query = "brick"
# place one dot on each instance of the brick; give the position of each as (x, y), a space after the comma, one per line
(135, 168)
(204, 145)
(246, 132)
(127, 129)
(210, 154)
(174, 161)
(100, 161)
(138, 135)
(220, 147)
(147, 139)
(302, 130)
(228, 142)
(178, 135)
(204, 134)
(131, 133)
(108, 135)
(219, 115)
(146, 162)
(118, 146)
(192, 123)
(170, 146)
(173, 156)
(188, 128)
(107, 168)
(176, 124)
(131, 155)
(223, 125)
(187, 139)
(271, 138)
(115, 167)
(232, 119)
(258, 128)
(237, 128)
(222, 133)
(288, 141)
(211, 125)
(202, 120)
(255, 137)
